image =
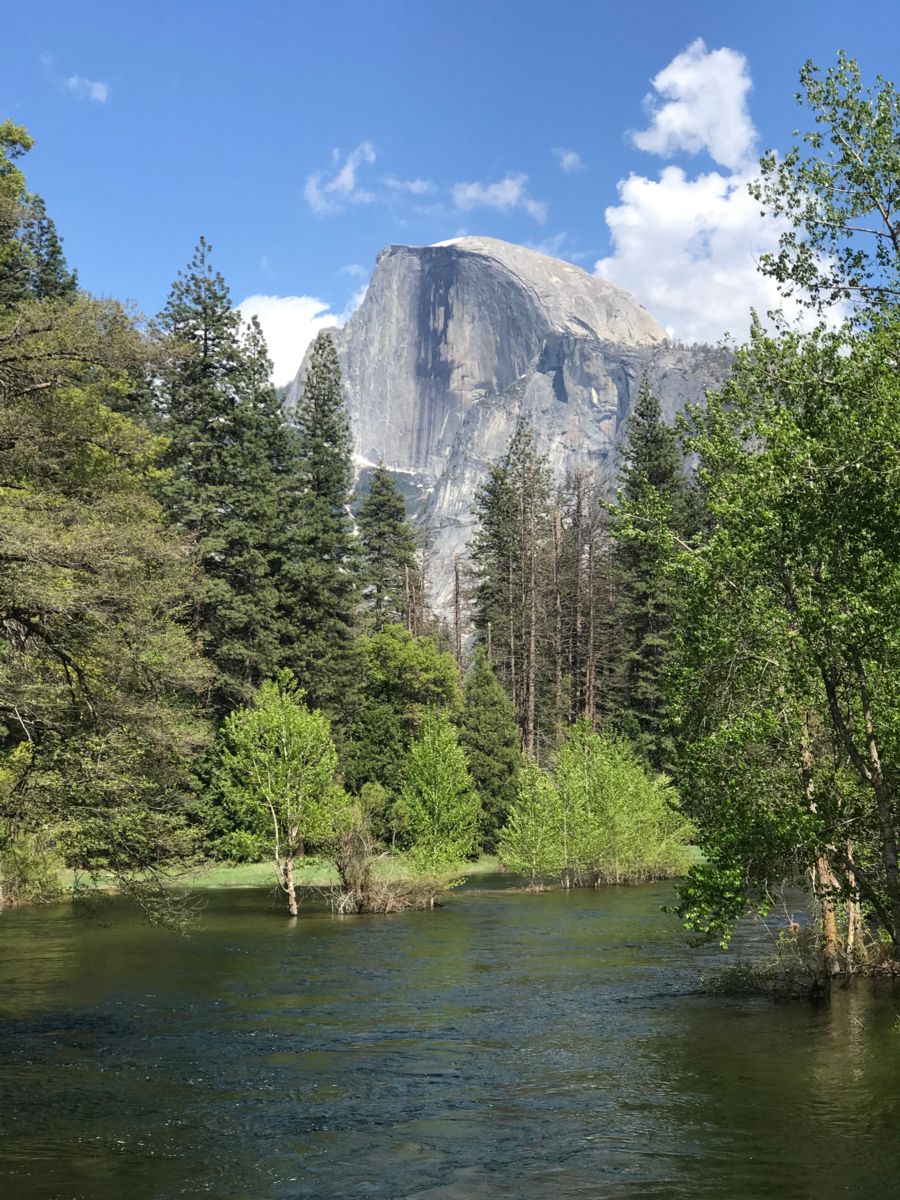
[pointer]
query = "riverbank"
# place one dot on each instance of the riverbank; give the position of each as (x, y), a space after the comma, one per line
(314, 873)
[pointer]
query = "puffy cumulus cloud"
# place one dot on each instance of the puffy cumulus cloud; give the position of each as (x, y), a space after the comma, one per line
(330, 192)
(87, 89)
(688, 249)
(289, 324)
(507, 193)
(701, 104)
(688, 246)
(569, 160)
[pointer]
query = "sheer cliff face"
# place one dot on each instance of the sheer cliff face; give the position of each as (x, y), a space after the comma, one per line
(454, 342)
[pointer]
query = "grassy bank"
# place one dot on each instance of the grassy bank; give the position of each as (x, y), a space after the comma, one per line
(311, 874)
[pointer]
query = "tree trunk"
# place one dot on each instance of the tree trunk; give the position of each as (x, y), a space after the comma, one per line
(590, 701)
(826, 885)
(457, 613)
(558, 631)
(530, 739)
(513, 674)
(578, 554)
(871, 771)
(287, 882)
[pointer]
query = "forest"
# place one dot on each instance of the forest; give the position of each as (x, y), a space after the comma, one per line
(216, 642)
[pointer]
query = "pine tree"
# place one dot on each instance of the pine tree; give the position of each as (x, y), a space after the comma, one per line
(653, 464)
(401, 678)
(388, 550)
(325, 582)
(229, 449)
(32, 264)
(49, 274)
(490, 738)
(509, 552)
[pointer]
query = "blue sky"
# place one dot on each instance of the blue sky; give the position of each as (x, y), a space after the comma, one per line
(300, 138)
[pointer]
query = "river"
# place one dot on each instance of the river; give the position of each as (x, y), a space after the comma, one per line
(508, 1045)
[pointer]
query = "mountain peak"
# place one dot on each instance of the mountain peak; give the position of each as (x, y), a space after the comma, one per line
(571, 299)
(455, 342)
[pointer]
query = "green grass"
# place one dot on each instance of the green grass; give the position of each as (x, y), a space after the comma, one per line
(310, 874)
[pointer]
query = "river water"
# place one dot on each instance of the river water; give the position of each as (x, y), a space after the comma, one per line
(507, 1045)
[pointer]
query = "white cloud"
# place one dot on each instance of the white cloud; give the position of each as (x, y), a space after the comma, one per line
(355, 269)
(331, 193)
(507, 193)
(86, 89)
(701, 104)
(289, 324)
(688, 246)
(415, 187)
(569, 160)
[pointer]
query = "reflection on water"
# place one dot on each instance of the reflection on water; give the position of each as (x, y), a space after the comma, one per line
(508, 1045)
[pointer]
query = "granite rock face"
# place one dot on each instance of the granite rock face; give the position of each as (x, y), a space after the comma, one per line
(454, 342)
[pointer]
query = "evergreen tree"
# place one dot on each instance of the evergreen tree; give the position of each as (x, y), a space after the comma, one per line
(230, 460)
(388, 550)
(326, 591)
(509, 553)
(401, 678)
(49, 277)
(490, 738)
(654, 467)
(32, 264)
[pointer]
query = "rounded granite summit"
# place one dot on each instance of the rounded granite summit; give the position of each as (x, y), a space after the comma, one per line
(573, 300)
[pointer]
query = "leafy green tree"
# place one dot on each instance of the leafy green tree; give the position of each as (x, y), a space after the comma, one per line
(325, 571)
(387, 545)
(839, 190)
(785, 691)
(531, 841)
(490, 738)
(653, 469)
(99, 683)
(231, 460)
(401, 678)
(618, 823)
(788, 702)
(276, 771)
(438, 807)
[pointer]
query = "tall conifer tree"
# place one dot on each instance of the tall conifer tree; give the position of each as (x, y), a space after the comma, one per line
(229, 455)
(653, 464)
(326, 589)
(513, 513)
(490, 738)
(387, 545)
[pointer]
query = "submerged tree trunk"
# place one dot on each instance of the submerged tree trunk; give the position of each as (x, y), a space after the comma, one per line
(287, 882)
(826, 887)
(869, 768)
